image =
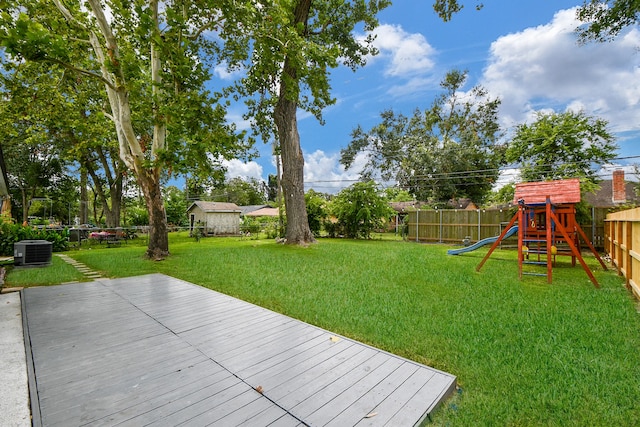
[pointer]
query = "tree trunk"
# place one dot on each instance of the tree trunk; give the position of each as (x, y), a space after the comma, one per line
(149, 181)
(84, 197)
(114, 214)
(111, 211)
(298, 231)
(25, 206)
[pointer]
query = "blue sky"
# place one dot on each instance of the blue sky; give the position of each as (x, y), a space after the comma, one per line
(524, 52)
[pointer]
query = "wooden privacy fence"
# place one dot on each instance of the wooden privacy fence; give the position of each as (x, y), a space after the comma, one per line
(455, 225)
(623, 245)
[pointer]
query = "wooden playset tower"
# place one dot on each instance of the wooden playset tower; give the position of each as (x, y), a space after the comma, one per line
(547, 226)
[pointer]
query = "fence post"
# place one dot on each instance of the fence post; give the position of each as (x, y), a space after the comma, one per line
(593, 226)
(417, 225)
(440, 227)
(478, 225)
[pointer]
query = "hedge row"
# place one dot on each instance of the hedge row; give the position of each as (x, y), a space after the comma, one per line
(12, 233)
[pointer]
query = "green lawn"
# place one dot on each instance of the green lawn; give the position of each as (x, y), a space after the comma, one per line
(525, 353)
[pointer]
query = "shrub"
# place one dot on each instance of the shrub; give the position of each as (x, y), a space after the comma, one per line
(250, 225)
(12, 233)
(316, 211)
(360, 209)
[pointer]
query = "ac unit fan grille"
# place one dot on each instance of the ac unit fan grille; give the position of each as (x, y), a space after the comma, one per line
(32, 252)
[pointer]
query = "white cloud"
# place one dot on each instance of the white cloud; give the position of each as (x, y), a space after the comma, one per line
(507, 176)
(237, 168)
(222, 72)
(545, 66)
(325, 174)
(606, 172)
(407, 58)
(407, 54)
(236, 118)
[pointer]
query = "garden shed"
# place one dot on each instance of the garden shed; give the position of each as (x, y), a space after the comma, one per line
(214, 218)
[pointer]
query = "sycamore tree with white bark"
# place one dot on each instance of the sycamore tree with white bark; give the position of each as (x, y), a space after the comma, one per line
(154, 59)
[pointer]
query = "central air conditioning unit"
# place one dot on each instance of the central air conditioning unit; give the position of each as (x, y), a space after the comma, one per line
(32, 252)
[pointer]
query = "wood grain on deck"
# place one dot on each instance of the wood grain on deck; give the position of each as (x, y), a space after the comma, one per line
(155, 350)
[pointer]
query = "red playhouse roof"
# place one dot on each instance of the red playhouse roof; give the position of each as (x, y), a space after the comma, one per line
(561, 191)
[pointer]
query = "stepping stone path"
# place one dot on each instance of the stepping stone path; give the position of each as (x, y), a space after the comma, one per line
(88, 273)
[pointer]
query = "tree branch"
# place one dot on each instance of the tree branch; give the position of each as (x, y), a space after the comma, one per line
(83, 72)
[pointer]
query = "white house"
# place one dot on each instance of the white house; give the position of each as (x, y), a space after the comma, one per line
(214, 217)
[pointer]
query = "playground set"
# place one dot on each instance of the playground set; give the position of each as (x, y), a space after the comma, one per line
(546, 227)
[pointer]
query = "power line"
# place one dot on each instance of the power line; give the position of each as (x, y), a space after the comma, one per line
(478, 173)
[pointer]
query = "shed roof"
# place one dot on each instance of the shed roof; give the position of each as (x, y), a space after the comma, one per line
(215, 206)
(560, 191)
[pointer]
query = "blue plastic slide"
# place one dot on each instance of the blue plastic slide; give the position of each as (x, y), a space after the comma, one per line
(489, 240)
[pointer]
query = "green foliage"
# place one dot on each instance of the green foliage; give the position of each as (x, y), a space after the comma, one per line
(289, 49)
(251, 225)
(138, 216)
(333, 229)
(395, 194)
(308, 39)
(176, 206)
(272, 188)
(316, 211)
(562, 145)
(604, 20)
(360, 209)
(504, 195)
(448, 151)
(152, 64)
(12, 233)
(241, 192)
(271, 227)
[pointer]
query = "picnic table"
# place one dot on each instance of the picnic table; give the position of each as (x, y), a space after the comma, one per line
(112, 238)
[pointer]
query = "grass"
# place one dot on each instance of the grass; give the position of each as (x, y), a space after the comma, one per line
(58, 272)
(525, 353)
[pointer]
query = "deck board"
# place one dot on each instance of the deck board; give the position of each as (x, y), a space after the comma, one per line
(155, 350)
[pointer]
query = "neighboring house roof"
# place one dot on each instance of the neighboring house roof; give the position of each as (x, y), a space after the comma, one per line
(559, 191)
(214, 207)
(466, 204)
(405, 206)
(250, 208)
(603, 198)
(268, 211)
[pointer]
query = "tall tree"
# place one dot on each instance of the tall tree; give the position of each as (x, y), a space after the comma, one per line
(69, 111)
(450, 150)
(241, 192)
(33, 151)
(152, 59)
(562, 145)
(294, 45)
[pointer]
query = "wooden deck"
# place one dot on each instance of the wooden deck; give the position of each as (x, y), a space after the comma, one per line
(154, 350)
